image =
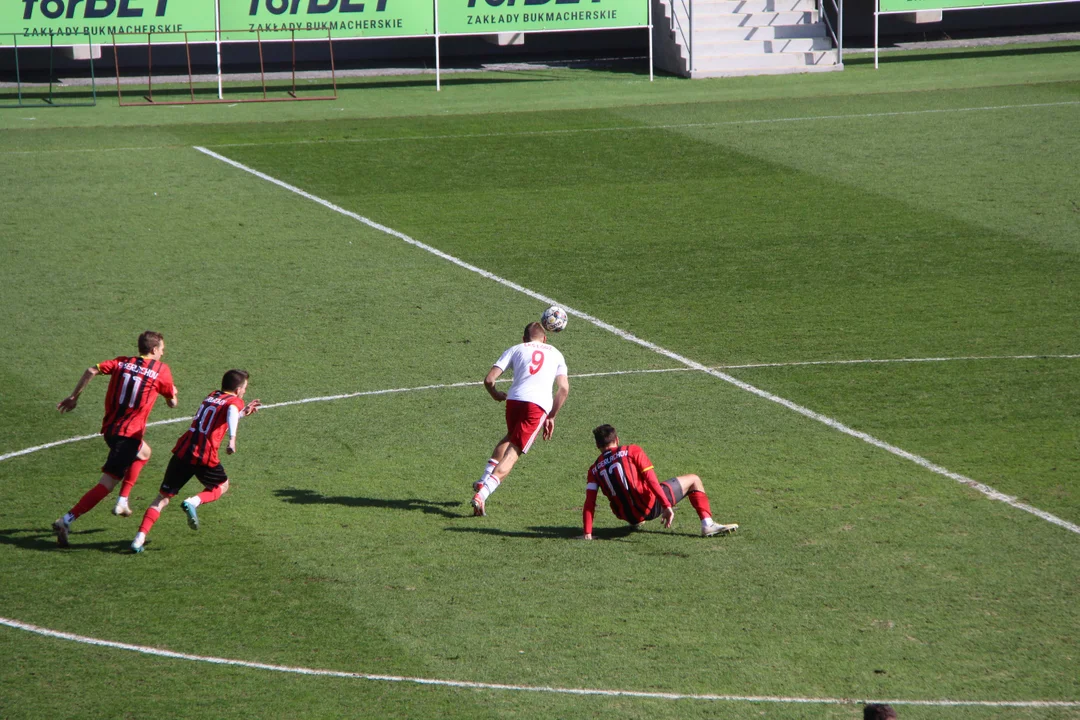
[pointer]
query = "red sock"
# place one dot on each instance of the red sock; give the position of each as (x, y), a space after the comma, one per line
(90, 499)
(210, 495)
(131, 476)
(700, 501)
(148, 519)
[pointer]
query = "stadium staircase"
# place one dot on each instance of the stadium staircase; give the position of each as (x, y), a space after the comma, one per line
(721, 38)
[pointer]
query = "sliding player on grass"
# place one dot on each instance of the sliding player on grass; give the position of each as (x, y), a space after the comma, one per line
(196, 453)
(530, 405)
(626, 477)
(135, 384)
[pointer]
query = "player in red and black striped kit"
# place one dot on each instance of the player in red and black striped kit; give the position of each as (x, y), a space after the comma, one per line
(133, 387)
(626, 477)
(196, 453)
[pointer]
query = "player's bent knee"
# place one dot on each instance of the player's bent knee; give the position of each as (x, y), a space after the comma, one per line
(224, 487)
(144, 451)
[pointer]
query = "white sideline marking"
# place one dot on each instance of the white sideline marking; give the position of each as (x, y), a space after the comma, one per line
(525, 688)
(568, 131)
(364, 393)
(834, 424)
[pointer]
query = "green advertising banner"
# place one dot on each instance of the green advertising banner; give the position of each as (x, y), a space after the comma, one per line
(913, 5)
(69, 22)
(313, 19)
(469, 17)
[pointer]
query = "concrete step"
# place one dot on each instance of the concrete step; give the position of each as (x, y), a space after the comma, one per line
(771, 32)
(710, 21)
(706, 48)
(767, 71)
(742, 61)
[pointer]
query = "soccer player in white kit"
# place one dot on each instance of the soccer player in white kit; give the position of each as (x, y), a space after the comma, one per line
(530, 405)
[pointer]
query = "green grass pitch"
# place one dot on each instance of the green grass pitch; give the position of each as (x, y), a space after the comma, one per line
(927, 210)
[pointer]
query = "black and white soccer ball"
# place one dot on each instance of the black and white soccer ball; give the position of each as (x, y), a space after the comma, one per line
(553, 319)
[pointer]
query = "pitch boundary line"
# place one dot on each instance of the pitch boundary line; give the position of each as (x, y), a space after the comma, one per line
(446, 386)
(570, 131)
(693, 364)
(17, 625)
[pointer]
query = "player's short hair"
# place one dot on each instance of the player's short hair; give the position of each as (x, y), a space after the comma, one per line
(878, 711)
(604, 435)
(232, 380)
(533, 331)
(149, 341)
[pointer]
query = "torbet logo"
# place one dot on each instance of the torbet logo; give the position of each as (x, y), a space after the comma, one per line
(92, 9)
(310, 7)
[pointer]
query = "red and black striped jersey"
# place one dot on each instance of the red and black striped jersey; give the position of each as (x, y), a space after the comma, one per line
(133, 388)
(199, 445)
(625, 476)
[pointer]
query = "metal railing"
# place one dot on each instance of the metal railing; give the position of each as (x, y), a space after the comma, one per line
(837, 32)
(51, 99)
(682, 24)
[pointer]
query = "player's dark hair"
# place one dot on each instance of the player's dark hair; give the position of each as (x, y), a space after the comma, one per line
(877, 711)
(533, 331)
(149, 341)
(604, 435)
(232, 380)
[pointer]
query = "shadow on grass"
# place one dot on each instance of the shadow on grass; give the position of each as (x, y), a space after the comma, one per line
(961, 54)
(45, 541)
(551, 533)
(430, 507)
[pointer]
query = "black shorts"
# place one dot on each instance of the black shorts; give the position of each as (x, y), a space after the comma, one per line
(673, 491)
(180, 471)
(123, 451)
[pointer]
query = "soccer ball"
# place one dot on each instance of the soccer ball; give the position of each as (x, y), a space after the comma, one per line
(553, 319)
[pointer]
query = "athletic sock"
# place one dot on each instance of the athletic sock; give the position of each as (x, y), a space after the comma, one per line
(148, 519)
(131, 477)
(491, 484)
(87, 502)
(700, 501)
(208, 496)
(491, 465)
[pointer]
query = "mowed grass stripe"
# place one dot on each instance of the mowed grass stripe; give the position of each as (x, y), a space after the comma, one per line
(806, 412)
(159, 652)
(569, 131)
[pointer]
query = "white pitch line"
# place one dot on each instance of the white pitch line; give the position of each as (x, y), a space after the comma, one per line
(521, 688)
(571, 131)
(609, 373)
(630, 337)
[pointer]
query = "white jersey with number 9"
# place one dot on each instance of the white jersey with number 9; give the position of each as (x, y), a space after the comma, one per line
(535, 366)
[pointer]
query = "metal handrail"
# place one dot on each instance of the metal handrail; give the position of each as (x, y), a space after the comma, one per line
(685, 34)
(837, 33)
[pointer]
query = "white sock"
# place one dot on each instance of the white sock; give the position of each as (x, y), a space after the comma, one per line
(121, 500)
(140, 538)
(491, 465)
(491, 484)
(706, 521)
(194, 501)
(68, 518)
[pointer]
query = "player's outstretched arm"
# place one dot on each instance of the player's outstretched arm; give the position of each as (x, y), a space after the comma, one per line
(489, 384)
(68, 404)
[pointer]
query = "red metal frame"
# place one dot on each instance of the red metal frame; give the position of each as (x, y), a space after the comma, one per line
(149, 97)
